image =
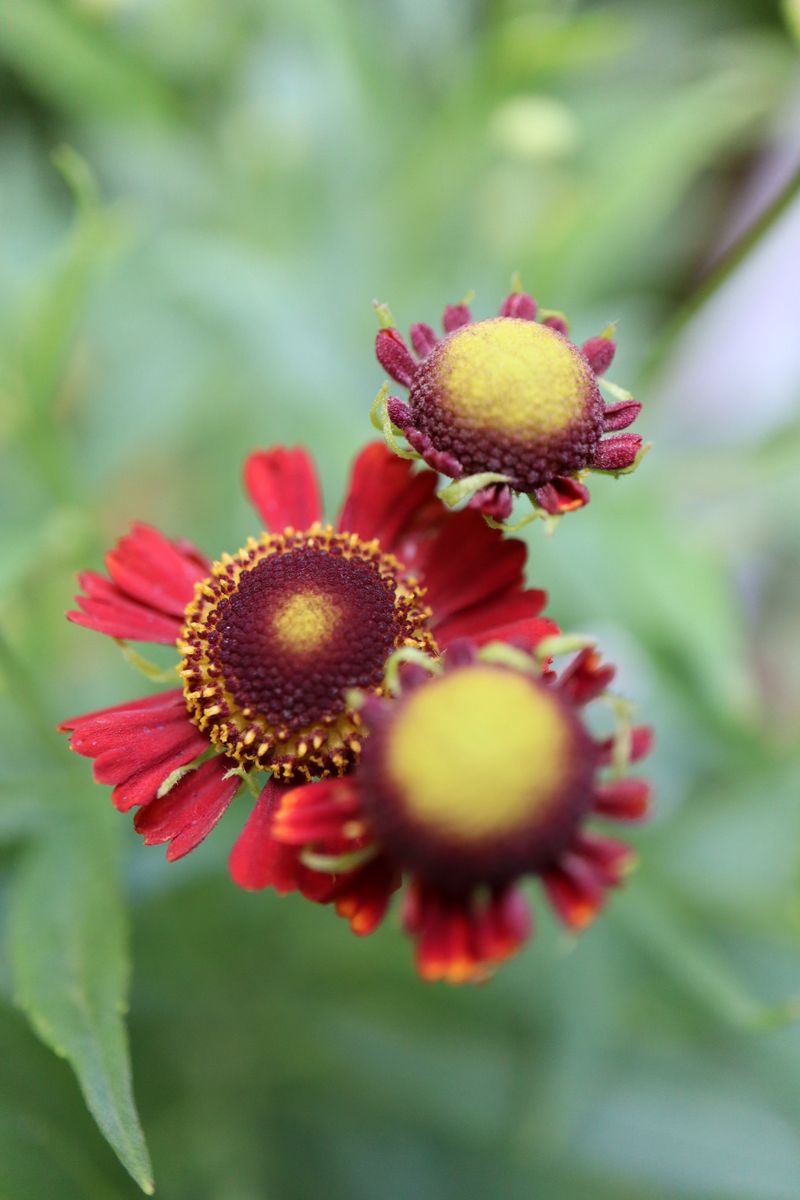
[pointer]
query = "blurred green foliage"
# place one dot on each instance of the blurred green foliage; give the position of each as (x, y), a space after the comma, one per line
(265, 170)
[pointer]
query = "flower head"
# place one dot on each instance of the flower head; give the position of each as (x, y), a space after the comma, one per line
(508, 405)
(474, 778)
(272, 638)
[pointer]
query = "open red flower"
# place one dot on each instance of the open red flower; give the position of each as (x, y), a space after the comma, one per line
(472, 779)
(508, 405)
(273, 637)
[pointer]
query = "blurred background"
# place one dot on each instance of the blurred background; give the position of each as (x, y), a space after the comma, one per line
(244, 178)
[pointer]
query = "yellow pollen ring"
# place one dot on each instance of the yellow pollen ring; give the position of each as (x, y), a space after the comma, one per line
(478, 753)
(514, 377)
(306, 621)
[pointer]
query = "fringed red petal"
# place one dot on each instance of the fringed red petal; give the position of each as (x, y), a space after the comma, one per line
(562, 495)
(108, 610)
(621, 415)
(137, 745)
(283, 488)
(190, 810)
(318, 812)
(385, 500)
(616, 453)
(148, 567)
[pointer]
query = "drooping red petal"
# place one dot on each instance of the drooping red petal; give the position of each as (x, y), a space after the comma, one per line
(395, 357)
(283, 488)
(562, 495)
(519, 305)
(258, 860)
(468, 563)
(423, 339)
(454, 316)
(150, 568)
(363, 896)
(616, 453)
(586, 677)
(507, 608)
(190, 810)
(108, 610)
(623, 799)
(599, 352)
(318, 812)
(463, 940)
(621, 415)
(137, 745)
(574, 891)
(611, 860)
(386, 500)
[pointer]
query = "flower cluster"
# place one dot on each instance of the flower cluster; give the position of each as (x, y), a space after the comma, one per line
(384, 686)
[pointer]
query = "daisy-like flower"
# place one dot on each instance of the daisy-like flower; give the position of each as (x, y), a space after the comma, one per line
(472, 779)
(272, 637)
(507, 405)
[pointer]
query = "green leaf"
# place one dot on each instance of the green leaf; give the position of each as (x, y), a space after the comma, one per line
(70, 963)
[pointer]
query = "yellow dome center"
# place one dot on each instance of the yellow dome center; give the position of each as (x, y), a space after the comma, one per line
(306, 621)
(478, 752)
(513, 376)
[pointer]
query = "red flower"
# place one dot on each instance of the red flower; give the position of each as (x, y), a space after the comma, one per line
(510, 398)
(471, 780)
(273, 637)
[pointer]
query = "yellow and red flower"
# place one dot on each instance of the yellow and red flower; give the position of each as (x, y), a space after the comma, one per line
(272, 638)
(508, 405)
(472, 779)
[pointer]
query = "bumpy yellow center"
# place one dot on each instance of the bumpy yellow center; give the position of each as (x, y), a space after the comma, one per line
(512, 376)
(478, 752)
(307, 621)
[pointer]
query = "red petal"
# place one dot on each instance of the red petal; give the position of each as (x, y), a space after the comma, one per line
(283, 488)
(623, 799)
(190, 810)
(616, 453)
(108, 610)
(455, 315)
(257, 860)
(137, 745)
(562, 495)
(363, 897)
(385, 500)
(586, 677)
(317, 812)
(463, 940)
(599, 352)
(148, 567)
(395, 357)
(620, 416)
(519, 305)
(467, 564)
(423, 339)
(508, 608)
(576, 905)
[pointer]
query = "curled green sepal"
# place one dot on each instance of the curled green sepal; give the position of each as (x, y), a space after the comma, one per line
(246, 777)
(538, 514)
(177, 775)
(563, 643)
(465, 488)
(407, 654)
(380, 419)
(149, 669)
(335, 864)
(508, 656)
(384, 315)
(623, 733)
